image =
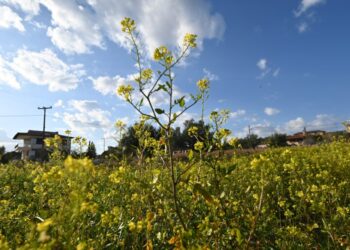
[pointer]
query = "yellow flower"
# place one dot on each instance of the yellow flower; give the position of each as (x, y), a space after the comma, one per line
(190, 40)
(119, 124)
(203, 84)
(128, 25)
(161, 53)
(43, 226)
(139, 225)
(81, 246)
(132, 226)
(300, 194)
(125, 91)
(198, 145)
(193, 131)
(233, 142)
(146, 74)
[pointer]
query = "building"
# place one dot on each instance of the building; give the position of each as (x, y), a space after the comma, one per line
(305, 137)
(32, 148)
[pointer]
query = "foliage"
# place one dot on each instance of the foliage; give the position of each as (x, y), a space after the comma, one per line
(282, 199)
(149, 85)
(277, 140)
(91, 150)
(250, 141)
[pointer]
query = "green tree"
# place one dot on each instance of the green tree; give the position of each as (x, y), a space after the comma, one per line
(250, 141)
(2, 151)
(277, 140)
(91, 150)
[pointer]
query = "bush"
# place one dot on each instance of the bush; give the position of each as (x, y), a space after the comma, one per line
(284, 198)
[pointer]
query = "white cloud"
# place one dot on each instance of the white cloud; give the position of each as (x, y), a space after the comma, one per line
(306, 5)
(76, 28)
(7, 77)
(58, 104)
(238, 113)
(31, 7)
(303, 27)
(108, 85)
(293, 126)
(211, 76)
(260, 129)
(86, 116)
(276, 72)
(262, 64)
(45, 68)
(324, 122)
(9, 19)
(265, 69)
(271, 111)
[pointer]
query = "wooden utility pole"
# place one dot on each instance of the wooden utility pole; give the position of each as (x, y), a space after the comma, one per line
(44, 123)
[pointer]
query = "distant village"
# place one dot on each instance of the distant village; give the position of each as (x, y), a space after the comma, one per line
(31, 146)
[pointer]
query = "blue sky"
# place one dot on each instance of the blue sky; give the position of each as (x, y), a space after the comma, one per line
(277, 65)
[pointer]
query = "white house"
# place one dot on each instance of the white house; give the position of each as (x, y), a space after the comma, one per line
(32, 147)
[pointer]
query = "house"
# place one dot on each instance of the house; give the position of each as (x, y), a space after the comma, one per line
(305, 137)
(32, 148)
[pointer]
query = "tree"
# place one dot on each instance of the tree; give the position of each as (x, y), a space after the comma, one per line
(250, 141)
(91, 150)
(277, 140)
(2, 151)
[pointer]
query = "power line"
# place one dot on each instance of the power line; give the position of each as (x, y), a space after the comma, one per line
(19, 115)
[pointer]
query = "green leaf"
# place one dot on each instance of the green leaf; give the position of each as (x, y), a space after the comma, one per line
(168, 84)
(197, 188)
(141, 102)
(161, 87)
(159, 111)
(182, 102)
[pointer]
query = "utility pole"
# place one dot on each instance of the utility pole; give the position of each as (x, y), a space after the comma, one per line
(44, 123)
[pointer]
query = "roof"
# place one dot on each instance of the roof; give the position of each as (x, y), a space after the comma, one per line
(37, 133)
(302, 135)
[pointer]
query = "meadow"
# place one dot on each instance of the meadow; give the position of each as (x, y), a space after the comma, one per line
(294, 198)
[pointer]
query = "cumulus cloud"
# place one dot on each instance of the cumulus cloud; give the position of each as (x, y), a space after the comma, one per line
(325, 122)
(262, 64)
(31, 7)
(238, 113)
(266, 70)
(86, 116)
(58, 104)
(306, 5)
(259, 129)
(271, 111)
(307, 18)
(76, 27)
(303, 27)
(10, 19)
(211, 76)
(7, 77)
(107, 85)
(45, 68)
(293, 126)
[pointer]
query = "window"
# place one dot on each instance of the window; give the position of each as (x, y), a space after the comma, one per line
(39, 141)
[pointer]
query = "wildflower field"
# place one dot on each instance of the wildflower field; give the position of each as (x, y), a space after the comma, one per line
(295, 198)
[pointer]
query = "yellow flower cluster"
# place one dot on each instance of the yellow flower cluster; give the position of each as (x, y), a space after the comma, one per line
(203, 84)
(125, 91)
(147, 74)
(190, 40)
(128, 25)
